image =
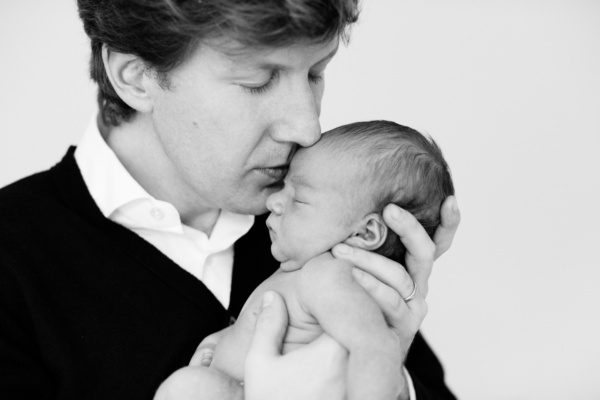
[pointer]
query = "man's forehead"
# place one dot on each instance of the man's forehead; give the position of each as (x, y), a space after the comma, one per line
(237, 56)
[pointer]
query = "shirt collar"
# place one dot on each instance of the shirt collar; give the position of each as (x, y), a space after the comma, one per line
(109, 183)
(114, 189)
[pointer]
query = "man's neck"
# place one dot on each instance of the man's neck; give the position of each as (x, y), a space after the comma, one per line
(137, 148)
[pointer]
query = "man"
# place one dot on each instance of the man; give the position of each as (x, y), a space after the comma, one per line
(120, 259)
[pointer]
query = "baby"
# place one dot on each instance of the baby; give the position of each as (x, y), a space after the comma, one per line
(335, 192)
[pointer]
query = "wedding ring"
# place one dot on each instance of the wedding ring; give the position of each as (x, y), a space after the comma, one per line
(412, 294)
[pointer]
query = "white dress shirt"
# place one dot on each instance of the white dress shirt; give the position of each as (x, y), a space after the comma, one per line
(121, 198)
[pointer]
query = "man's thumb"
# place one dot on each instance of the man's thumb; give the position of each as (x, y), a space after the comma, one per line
(271, 325)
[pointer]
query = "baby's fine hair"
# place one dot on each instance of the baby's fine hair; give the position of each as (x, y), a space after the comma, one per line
(400, 166)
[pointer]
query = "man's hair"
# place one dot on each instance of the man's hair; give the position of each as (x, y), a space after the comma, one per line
(398, 165)
(164, 33)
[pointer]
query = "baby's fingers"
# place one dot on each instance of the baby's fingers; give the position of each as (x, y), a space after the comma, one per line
(205, 351)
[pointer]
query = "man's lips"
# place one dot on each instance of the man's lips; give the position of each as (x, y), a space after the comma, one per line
(276, 173)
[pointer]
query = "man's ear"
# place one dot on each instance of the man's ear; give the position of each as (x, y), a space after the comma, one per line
(127, 74)
(370, 233)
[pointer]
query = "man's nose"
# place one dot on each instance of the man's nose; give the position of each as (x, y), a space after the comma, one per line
(299, 117)
(275, 203)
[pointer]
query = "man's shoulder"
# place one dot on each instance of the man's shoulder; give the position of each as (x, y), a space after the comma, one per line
(20, 198)
(24, 224)
(41, 199)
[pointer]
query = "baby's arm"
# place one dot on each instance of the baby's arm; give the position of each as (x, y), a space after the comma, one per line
(327, 291)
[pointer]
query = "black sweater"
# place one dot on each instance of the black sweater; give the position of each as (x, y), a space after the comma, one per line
(89, 310)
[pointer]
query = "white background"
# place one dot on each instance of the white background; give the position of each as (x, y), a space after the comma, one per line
(509, 89)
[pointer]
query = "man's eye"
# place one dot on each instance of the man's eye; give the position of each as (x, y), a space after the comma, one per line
(262, 88)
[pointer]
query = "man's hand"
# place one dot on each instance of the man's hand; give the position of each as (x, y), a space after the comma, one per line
(318, 370)
(388, 283)
(444, 234)
(199, 383)
(315, 371)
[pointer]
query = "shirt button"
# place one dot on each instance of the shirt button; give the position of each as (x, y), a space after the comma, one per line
(157, 213)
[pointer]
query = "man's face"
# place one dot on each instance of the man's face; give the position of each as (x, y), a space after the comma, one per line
(228, 124)
(315, 210)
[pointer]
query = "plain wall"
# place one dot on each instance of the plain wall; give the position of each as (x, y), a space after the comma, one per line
(511, 92)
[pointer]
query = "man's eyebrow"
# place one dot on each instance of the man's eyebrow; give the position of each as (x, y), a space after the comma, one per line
(274, 66)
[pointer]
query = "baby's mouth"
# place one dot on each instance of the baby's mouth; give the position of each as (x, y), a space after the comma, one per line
(272, 233)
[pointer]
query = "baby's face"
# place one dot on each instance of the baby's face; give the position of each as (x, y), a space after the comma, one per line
(315, 210)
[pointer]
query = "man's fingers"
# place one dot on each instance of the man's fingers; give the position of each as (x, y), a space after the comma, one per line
(411, 232)
(392, 305)
(387, 298)
(193, 383)
(450, 219)
(271, 325)
(330, 352)
(381, 268)
(387, 282)
(420, 249)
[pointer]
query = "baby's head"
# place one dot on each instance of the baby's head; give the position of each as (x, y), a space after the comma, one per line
(336, 190)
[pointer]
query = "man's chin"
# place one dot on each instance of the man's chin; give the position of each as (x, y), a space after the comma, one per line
(258, 207)
(255, 203)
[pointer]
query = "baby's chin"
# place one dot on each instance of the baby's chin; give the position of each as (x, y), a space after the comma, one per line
(287, 264)
(277, 254)
(290, 265)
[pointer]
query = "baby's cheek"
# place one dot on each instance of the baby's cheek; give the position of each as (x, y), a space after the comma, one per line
(308, 251)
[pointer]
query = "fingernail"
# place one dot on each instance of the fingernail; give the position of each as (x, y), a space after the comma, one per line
(342, 249)
(454, 205)
(267, 299)
(396, 213)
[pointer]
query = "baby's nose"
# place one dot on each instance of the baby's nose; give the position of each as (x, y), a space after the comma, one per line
(274, 203)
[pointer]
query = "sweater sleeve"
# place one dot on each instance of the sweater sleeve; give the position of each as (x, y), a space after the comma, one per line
(426, 372)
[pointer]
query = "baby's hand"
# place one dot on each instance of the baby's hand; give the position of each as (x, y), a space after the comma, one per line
(206, 349)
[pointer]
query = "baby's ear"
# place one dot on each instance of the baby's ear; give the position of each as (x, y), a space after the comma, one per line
(370, 233)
